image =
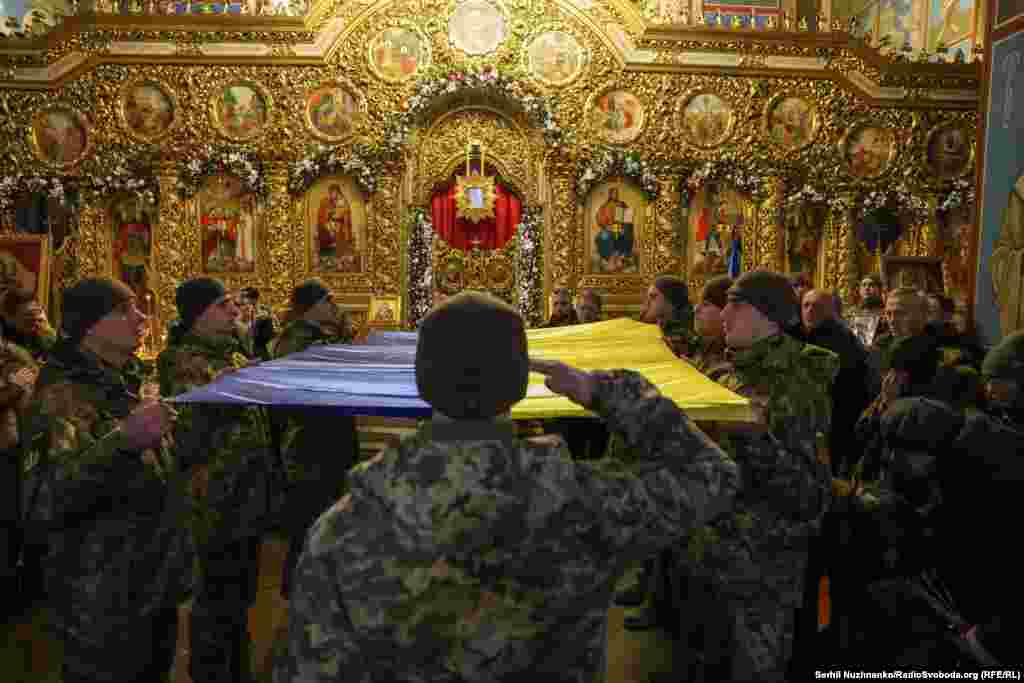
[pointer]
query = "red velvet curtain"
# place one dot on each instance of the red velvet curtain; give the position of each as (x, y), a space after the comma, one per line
(493, 233)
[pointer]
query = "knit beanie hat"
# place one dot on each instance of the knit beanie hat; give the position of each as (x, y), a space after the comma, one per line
(715, 290)
(770, 293)
(1006, 359)
(471, 358)
(195, 296)
(308, 294)
(86, 302)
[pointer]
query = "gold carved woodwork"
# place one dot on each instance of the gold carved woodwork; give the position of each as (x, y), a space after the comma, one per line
(288, 73)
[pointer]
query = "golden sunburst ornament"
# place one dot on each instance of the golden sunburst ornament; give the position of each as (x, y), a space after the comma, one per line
(474, 197)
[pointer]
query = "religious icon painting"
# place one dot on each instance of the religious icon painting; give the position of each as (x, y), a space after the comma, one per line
(716, 220)
(476, 27)
(59, 136)
(616, 116)
(614, 215)
(705, 118)
(790, 122)
(867, 150)
(554, 58)
(397, 54)
(229, 226)
(335, 226)
(132, 243)
(333, 110)
(240, 110)
(25, 264)
(148, 109)
(948, 151)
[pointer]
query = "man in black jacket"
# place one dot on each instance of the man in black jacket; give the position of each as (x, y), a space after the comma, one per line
(849, 393)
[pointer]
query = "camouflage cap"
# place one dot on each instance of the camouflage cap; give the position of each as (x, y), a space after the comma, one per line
(1006, 359)
(770, 293)
(872, 278)
(88, 301)
(471, 358)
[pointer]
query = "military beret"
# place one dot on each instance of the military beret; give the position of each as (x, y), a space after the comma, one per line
(1006, 359)
(88, 301)
(194, 296)
(770, 293)
(471, 357)
(715, 289)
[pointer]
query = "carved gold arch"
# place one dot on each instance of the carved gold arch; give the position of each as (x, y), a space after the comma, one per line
(511, 149)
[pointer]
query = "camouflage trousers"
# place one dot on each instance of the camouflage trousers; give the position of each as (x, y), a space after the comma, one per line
(736, 623)
(101, 649)
(219, 627)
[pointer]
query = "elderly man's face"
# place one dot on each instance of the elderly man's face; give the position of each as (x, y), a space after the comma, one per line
(816, 308)
(907, 315)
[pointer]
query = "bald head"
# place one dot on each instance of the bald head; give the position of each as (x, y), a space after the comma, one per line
(907, 312)
(817, 307)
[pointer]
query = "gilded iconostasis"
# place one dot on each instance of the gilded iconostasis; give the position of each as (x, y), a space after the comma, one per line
(405, 150)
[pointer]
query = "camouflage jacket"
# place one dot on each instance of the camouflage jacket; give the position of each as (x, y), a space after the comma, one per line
(13, 398)
(305, 431)
(37, 345)
(232, 442)
(785, 488)
(115, 517)
(466, 555)
(300, 335)
(708, 354)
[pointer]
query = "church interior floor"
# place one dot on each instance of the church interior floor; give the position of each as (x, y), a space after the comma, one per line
(27, 656)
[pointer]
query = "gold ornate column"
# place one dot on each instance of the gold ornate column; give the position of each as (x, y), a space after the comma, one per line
(173, 242)
(931, 242)
(387, 252)
(667, 254)
(846, 237)
(562, 229)
(283, 239)
(767, 233)
(92, 237)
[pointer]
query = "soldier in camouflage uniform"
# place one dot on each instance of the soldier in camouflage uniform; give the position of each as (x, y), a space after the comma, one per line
(231, 446)
(710, 350)
(754, 559)
(102, 479)
(466, 555)
(316, 475)
(668, 304)
(25, 323)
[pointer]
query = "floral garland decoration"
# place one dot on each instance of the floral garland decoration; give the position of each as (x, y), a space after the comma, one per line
(898, 198)
(359, 163)
(530, 267)
(741, 178)
(616, 162)
(960, 193)
(808, 194)
(421, 276)
(60, 188)
(242, 164)
(116, 174)
(441, 81)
